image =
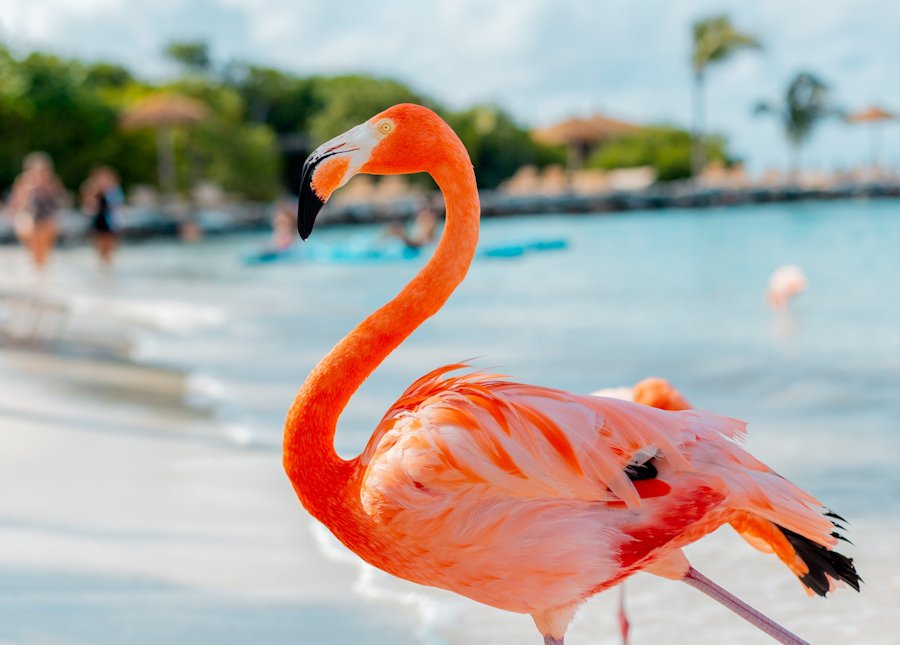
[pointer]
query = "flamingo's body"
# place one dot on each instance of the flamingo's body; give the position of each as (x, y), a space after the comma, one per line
(785, 283)
(522, 497)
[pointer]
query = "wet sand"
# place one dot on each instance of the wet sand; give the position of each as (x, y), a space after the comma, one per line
(117, 527)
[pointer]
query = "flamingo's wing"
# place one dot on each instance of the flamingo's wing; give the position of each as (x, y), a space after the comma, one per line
(479, 431)
(497, 468)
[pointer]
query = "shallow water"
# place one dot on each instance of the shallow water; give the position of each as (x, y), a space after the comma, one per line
(677, 294)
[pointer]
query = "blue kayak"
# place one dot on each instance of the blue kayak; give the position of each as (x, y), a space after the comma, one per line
(519, 249)
(355, 252)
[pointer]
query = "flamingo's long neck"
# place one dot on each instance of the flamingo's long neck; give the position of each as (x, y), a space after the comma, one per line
(318, 474)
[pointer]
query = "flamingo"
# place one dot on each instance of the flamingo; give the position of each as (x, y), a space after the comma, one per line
(653, 391)
(785, 282)
(525, 498)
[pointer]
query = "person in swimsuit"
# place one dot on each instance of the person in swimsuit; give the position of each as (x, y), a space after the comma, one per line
(36, 197)
(284, 226)
(423, 233)
(101, 199)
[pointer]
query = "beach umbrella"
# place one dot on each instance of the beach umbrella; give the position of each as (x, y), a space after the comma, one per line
(582, 135)
(875, 116)
(163, 112)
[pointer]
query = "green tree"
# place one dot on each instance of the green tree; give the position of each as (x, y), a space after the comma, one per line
(667, 149)
(224, 148)
(285, 102)
(259, 119)
(348, 100)
(497, 144)
(241, 158)
(107, 75)
(715, 40)
(16, 114)
(191, 55)
(68, 119)
(806, 103)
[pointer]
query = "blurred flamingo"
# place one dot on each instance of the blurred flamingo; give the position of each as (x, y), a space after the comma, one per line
(525, 498)
(785, 282)
(654, 391)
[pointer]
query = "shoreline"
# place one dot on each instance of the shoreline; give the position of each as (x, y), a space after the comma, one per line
(123, 524)
(146, 224)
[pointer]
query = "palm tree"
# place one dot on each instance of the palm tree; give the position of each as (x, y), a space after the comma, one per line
(715, 40)
(806, 103)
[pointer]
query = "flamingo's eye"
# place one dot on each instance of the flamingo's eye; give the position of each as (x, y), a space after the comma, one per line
(384, 127)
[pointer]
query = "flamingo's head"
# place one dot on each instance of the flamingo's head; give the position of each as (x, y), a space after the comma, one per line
(403, 139)
(659, 393)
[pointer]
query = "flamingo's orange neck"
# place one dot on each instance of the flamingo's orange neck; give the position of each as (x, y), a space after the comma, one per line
(320, 477)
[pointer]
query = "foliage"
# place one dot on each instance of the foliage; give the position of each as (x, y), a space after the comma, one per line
(716, 39)
(107, 75)
(806, 103)
(225, 149)
(242, 159)
(284, 102)
(346, 101)
(72, 112)
(259, 120)
(50, 106)
(192, 55)
(667, 149)
(497, 145)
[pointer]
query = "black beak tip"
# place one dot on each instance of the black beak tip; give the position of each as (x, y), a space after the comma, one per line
(307, 210)
(310, 203)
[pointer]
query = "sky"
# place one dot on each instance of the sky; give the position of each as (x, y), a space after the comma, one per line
(543, 60)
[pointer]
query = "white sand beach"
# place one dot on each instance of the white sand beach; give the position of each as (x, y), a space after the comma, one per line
(118, 527)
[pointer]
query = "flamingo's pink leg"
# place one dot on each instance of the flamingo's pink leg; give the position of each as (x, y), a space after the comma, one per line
(624, 625)
(698, 581)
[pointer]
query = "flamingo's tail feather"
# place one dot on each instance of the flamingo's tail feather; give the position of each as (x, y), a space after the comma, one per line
(823, 564)
(814, 563)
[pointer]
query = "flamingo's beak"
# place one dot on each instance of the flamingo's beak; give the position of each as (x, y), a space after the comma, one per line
(328, 168)
(316, 185)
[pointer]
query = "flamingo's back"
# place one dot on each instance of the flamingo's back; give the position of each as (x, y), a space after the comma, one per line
(483, 463)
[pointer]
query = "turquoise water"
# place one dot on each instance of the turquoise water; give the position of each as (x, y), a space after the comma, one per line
(677, 294)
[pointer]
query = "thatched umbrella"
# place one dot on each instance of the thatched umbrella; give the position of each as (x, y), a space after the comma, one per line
(875, 116)
(163, 112)
(582, 135)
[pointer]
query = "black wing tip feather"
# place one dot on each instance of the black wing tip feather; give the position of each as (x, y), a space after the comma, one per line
(638, 472)
(822, 562)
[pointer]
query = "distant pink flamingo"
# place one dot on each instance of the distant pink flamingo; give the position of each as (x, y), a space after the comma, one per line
(525, 498)
(785, 283)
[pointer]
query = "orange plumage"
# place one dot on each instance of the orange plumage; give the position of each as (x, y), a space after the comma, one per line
(522, 497)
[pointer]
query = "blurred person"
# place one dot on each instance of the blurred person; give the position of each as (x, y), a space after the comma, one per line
(190, 230)
(284, 226)
(35, 199)
(423, 231)
(102, 200)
